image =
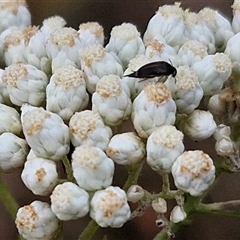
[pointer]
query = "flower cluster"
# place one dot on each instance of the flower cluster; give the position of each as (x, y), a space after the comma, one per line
(64, 96)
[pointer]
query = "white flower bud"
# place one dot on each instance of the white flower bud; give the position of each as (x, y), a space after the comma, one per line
(212, 72)
(51, 24)
(109, 207)
(198, 125)
(126, 148)
(167, 23)
(63, 47)
(66, 92)
(196, 30)
(87, 127)
(164, 145)
(236, 16)
(185, 89)
(135, 193)
(112, 100)
(152, 108)
(37, 56)
(232, 50)
(25, 84)
(125, 42)
(159, 205)
(193, 172)
(9, 120)
(219, 26)
(14, 13)
(177, 214)
(217, 106)
(224, 146)
(221, 132)
(36, 221)
(92, 169)
(91, 33)
(159, 51)
(45, 132)
(135, 84)
(68, 201)
(40, 175)
(96, 63)
(192, 51)
(13, 151)
(14, 42)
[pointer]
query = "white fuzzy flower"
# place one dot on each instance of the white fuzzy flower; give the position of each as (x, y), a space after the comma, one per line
(66, 92)
(177, 214)
(159, 51)
(198, 125)
(9, 120)
(164, 145)
(193, 172)
(112, 100)
(197, 30)
(219, 26)
(212, 72)
(232, 50)
(13, 42)
(217, 106)
(51, 24)
(68, 201)
(125, 42)
(96, 62)
(135, 193)
(221, 132)
(126, 148)
(224, 146)
(25, 84)
(63, 46)
(109, 207)
(168, 24)
(14, 13)
(13, 151)
(192, 51)
(35, 52)
(91, 33)
(40, 175)
(135, 84)
(45, 132)
(236, 16)
(92, 169)
(87, 127)
(36, 221)
(152, 108)
(185, 89)
(159, 205)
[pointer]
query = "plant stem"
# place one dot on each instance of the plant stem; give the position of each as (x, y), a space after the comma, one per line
(9, 202)
(89, 231)
(68, 168)
(133, 174)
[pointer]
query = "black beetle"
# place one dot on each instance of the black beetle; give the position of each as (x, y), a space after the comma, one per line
(154, 69)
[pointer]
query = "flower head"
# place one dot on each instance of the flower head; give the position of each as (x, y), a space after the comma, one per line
(109, 207)
(193, 172)
(36, 221)
(92, 169)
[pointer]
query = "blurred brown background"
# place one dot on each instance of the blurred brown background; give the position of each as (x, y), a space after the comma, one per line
(108, 14)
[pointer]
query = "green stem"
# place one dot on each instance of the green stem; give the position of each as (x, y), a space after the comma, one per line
(133, 174)
(68, 168)
(9, 202)
(89, 231)
(166, 183)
